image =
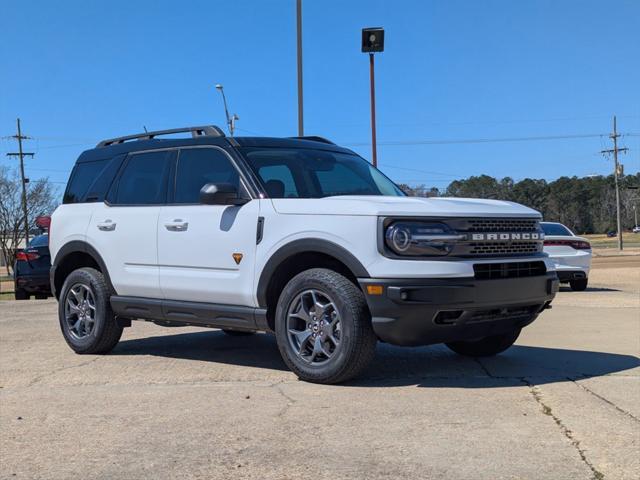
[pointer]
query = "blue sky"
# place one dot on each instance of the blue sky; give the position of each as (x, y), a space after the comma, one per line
(79, 71)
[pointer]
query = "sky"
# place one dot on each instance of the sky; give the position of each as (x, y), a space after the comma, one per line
(457, 83)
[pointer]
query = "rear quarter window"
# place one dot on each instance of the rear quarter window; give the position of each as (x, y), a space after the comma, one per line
(90, 181)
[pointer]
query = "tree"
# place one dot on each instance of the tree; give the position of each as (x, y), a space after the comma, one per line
(41, 200)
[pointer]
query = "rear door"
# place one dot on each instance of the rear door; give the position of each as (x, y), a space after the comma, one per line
(123, 229)
(207, 252)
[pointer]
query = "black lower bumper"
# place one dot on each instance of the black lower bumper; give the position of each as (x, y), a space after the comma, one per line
(33, 283)
(428, 311)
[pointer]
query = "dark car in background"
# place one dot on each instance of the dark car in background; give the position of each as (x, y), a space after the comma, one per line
(31, 270)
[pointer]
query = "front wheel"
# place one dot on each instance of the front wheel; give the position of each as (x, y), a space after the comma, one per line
(579, 284)
(486, 347)
(87, 322)
(323, 327)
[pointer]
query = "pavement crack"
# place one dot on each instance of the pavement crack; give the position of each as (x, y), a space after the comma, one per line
(289, 399)
(605, 400)
(546, 409)
(39, 378)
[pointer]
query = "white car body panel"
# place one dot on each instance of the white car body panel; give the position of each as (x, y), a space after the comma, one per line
(146, 260)
(197, 264)
(130, 249)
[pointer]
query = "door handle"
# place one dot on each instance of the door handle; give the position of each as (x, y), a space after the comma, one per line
(177, 225)
(106, 226)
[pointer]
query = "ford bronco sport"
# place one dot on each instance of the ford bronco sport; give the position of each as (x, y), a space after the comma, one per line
(296, 236)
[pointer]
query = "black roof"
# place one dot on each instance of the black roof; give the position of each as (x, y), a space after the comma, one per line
(109, 150)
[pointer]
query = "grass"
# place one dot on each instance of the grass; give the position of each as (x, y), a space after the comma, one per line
(602, 241)
(6, 296)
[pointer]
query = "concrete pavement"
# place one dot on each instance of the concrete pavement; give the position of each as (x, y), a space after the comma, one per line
(564, 403)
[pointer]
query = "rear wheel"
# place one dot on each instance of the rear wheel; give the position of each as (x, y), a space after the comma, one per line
(486, 347)
(323, 327)
(579, 284)
(87, 322)
(21, 294)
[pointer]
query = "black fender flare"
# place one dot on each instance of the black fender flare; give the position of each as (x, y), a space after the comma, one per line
(78, 246)
(306, 245)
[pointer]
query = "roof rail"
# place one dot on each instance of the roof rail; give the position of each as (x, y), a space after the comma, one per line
(315, 138)
(204, 131)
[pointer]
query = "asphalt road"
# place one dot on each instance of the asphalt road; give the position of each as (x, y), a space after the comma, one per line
(564, 403)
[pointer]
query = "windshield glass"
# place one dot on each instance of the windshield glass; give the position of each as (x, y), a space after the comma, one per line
(555, 229)
(308, 173)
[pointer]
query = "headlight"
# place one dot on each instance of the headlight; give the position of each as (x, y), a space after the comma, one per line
(414, 238)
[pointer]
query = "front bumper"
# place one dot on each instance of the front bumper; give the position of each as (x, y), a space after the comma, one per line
(428, 311)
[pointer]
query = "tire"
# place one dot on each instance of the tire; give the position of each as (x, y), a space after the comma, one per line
(579, 284)
(346, 336)
(21, 294)
(238, 333)
(99, 335)
(486, 347)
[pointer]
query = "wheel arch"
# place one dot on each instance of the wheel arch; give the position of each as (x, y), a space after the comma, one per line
(300, 255)
(71, 256)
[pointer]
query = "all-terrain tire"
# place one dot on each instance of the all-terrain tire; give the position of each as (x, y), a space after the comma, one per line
(486, 347)
(579, 284)
(106, 332)
(357, 340)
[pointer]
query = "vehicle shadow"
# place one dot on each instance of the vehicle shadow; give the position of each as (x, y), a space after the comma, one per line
(432, 366)
(567, 288)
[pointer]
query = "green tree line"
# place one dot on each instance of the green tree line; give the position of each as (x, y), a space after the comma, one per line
(585, 205)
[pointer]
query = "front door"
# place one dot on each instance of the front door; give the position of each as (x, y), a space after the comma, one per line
(206, 253)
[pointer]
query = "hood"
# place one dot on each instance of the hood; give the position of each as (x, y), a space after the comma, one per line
(402, 206)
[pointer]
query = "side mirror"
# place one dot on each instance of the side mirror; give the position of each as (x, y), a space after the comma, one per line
(221, 194)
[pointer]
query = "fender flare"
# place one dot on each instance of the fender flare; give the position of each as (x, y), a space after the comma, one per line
(306, 245)
(78, 246)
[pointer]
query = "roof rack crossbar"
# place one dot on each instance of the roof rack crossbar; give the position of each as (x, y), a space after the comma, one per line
(315, 138)
(203, 131)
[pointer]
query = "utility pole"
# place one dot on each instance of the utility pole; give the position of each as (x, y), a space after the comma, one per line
(22, 154)
(299, 55)
(616, 172)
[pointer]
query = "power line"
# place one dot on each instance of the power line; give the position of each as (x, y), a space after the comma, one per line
(480, 140)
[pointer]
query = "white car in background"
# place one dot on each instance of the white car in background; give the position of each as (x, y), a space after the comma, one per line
(570, 254)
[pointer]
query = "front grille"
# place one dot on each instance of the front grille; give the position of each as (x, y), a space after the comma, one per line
(502, 225)
(497, 248)
(493, 271)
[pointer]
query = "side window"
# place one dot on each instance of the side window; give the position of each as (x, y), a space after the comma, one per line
(199, 166)
(143, 181)
(82, 177)
(278, 181)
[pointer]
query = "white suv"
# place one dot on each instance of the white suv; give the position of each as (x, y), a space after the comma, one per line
(295, 236)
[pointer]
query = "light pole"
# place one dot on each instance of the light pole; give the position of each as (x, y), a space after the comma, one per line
(373, 41)
(299, 62)
(231, 120)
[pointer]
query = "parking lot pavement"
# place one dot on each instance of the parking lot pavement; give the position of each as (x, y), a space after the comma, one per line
(564, 403)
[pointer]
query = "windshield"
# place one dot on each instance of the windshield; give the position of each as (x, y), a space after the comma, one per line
(555, 229)
(308, 173)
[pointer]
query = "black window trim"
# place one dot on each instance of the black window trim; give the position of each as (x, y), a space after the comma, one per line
(116, 181)
(244, 183)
